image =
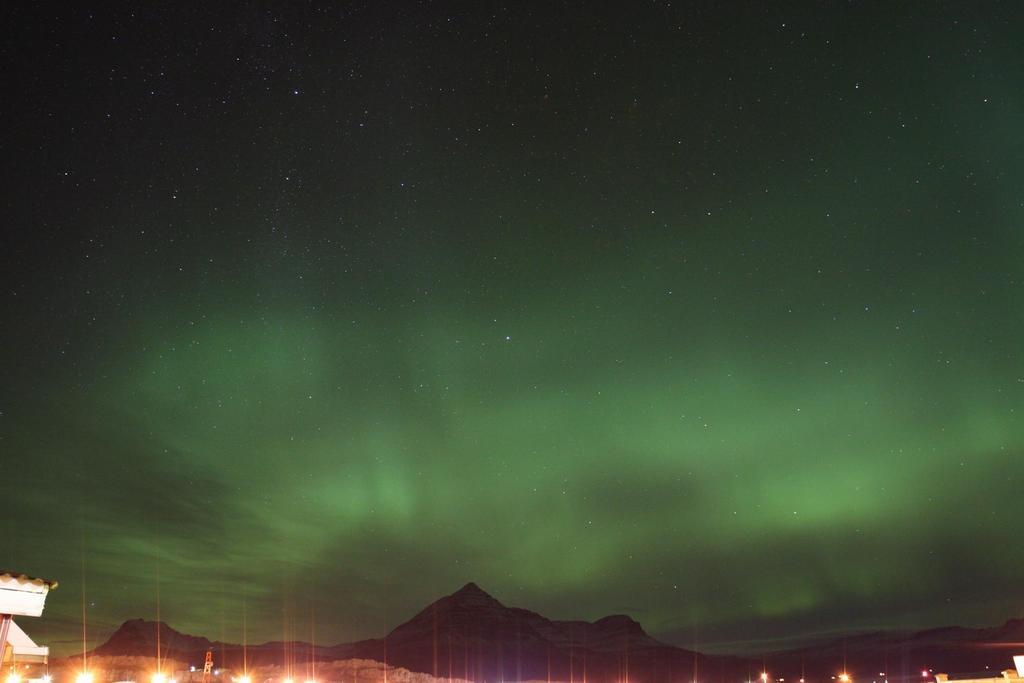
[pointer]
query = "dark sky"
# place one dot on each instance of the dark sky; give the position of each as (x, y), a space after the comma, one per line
(706, 313)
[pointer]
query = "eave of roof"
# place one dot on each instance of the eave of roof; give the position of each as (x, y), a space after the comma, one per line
(25, 578)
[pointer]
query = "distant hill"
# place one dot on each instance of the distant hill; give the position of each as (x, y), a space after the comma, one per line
(471, 635)
(138, 638)
(903, 656)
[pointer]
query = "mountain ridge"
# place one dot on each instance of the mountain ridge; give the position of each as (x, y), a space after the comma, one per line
(471, 635)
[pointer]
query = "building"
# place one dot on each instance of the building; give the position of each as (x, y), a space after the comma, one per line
(1016, 674)
(21, 596)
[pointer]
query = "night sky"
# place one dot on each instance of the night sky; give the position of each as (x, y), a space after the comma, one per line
(711, 315)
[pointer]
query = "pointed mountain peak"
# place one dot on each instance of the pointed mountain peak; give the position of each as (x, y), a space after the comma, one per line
(139, 637)
(469, 602)
(472, 595)
(142, 626)
(621, 622)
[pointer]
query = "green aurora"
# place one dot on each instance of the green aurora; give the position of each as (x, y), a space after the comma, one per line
(733, 348)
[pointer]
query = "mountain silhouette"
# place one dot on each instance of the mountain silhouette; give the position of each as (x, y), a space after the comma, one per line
(471, 635)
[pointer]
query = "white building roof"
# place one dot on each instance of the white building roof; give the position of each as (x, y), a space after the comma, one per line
(23, 595)
(18, 577)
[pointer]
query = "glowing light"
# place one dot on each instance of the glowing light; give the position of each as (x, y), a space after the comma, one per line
(158, 678)
(844, 677)
(245, 679)
(14, 678)
(764, 676)
(47, 678)
(172, 680)
(924, 673)
(84, 677)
